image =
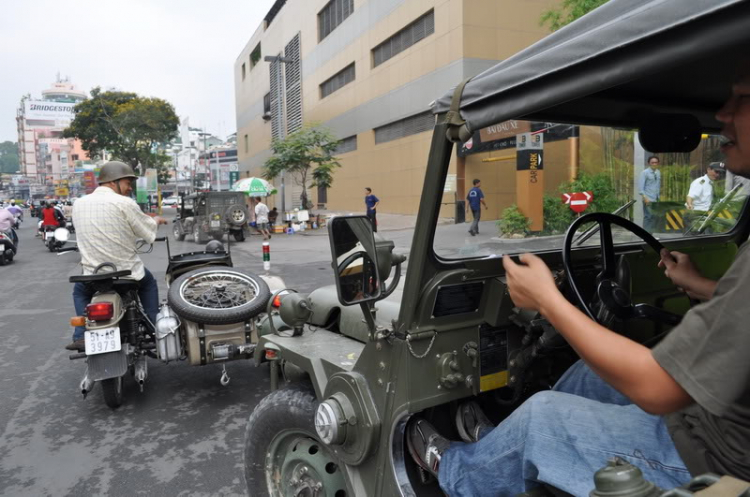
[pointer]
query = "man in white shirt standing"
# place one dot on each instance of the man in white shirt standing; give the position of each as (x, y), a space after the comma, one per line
(701, 193)
(108, 224)
(261, 218)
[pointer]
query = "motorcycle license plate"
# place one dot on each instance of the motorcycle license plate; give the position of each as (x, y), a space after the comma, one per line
(216, 224)
(103, 341)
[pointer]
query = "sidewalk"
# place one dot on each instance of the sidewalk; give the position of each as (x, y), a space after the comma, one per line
(386, 222)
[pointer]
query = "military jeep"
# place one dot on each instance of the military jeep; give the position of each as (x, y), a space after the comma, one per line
(208, 215)
(355, 362)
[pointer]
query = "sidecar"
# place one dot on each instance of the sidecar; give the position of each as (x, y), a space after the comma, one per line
(210, 312)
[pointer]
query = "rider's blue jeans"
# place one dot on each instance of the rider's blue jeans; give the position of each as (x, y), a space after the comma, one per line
(562, 437)
(148, 291)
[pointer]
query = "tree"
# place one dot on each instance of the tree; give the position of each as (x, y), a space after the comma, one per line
(126, 125)
(306, 152)
(569, 11)
(9, 157)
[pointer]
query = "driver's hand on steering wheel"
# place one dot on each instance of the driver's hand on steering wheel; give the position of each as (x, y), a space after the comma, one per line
(680, 269)
(530, 283)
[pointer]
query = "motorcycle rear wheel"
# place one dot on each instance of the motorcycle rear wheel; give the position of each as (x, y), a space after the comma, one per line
(112, 392)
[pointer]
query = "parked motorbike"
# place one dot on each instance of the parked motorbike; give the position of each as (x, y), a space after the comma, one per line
(54, 237)
(8, 246)
(208, 318)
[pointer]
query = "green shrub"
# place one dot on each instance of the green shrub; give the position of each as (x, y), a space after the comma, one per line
(513, 222)
(557, 216)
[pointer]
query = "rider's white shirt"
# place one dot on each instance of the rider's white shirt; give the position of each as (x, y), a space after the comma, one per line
(702, 193)
(107, 227)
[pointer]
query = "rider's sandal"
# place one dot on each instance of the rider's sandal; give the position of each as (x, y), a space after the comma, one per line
(426, 445)
(471, 422)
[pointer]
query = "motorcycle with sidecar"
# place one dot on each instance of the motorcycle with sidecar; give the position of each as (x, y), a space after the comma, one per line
(209, 317)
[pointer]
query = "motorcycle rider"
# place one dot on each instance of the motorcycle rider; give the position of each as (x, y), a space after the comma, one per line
(17, 213)
(51, 218)
(108, 224)
(7, 219)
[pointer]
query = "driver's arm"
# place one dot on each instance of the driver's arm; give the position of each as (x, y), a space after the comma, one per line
(626, 365)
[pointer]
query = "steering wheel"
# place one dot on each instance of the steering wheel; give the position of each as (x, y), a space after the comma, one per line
(351, 258)
(613, 295)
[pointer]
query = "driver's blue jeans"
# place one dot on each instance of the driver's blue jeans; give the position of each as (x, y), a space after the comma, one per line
(562, 437)
(148, 292)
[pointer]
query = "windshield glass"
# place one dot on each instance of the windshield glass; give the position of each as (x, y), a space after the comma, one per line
(517, 186)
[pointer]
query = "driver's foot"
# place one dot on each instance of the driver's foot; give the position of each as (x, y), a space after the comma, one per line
(471, 422)
(426, 445)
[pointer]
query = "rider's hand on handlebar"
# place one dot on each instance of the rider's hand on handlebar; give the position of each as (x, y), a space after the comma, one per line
(160, 220)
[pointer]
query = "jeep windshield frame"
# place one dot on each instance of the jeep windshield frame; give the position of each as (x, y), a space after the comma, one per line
(616, 66)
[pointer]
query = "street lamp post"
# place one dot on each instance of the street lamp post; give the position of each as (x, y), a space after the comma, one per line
(280, 113)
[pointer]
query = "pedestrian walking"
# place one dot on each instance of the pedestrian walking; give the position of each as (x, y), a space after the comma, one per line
(261, 218)
(475, 201)
(649, 188)
(371, 201)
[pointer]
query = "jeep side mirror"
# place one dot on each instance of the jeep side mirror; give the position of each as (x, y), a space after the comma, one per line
(355, 260)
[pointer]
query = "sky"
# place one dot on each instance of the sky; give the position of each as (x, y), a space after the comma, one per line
(182, 51)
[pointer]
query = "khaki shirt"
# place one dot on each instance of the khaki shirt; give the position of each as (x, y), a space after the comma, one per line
(107, 228)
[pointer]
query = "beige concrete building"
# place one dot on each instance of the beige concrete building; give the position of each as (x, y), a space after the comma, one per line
(369, 69)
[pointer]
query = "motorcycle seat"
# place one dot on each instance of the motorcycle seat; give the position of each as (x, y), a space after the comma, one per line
(121, 286)
(85, 278)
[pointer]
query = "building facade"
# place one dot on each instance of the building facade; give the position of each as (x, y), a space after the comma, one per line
(46, 158)
(369, 70)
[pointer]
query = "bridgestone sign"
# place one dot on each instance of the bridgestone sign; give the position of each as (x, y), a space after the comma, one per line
(39, 110)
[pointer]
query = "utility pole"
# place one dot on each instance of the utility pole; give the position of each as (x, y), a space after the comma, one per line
(282, 118)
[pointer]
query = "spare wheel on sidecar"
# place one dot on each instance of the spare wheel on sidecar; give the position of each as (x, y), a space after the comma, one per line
(220, 295)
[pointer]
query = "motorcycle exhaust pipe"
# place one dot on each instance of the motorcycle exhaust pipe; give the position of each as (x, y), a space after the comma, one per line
(141, 371)
(86, 385)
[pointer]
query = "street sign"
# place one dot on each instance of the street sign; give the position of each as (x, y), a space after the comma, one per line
(578, 201)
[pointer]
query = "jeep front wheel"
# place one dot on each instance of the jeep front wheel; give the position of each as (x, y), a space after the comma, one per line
(283, 455)
(178, 235)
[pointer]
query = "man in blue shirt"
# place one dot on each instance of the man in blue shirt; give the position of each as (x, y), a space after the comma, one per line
(371, 201)
(475, 199)
(649, 187)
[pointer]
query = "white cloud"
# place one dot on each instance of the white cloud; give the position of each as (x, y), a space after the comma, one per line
(182, 51)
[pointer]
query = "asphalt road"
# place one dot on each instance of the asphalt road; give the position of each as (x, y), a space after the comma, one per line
(182, 436)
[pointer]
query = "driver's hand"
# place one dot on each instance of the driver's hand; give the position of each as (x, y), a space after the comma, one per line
(530, 282)
(680, 269)
(160, 220)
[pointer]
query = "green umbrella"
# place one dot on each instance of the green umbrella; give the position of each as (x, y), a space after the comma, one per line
(255, 187)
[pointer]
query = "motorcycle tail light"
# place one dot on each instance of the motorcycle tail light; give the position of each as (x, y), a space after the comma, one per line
(101, 311)
(270, 354)
(78, 321)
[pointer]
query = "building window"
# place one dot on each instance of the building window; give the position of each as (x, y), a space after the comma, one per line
(411, 34)
(332, 15)
(74, 157)
(243, 71)
(247, 145)
(267, 104)
(255, 56)
(348, 144)
(418, 123)
(337, 81)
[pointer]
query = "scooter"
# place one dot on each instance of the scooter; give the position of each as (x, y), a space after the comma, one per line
(8, 246)
(55, 238)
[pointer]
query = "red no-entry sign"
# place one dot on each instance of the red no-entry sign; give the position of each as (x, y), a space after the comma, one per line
(578, 201)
